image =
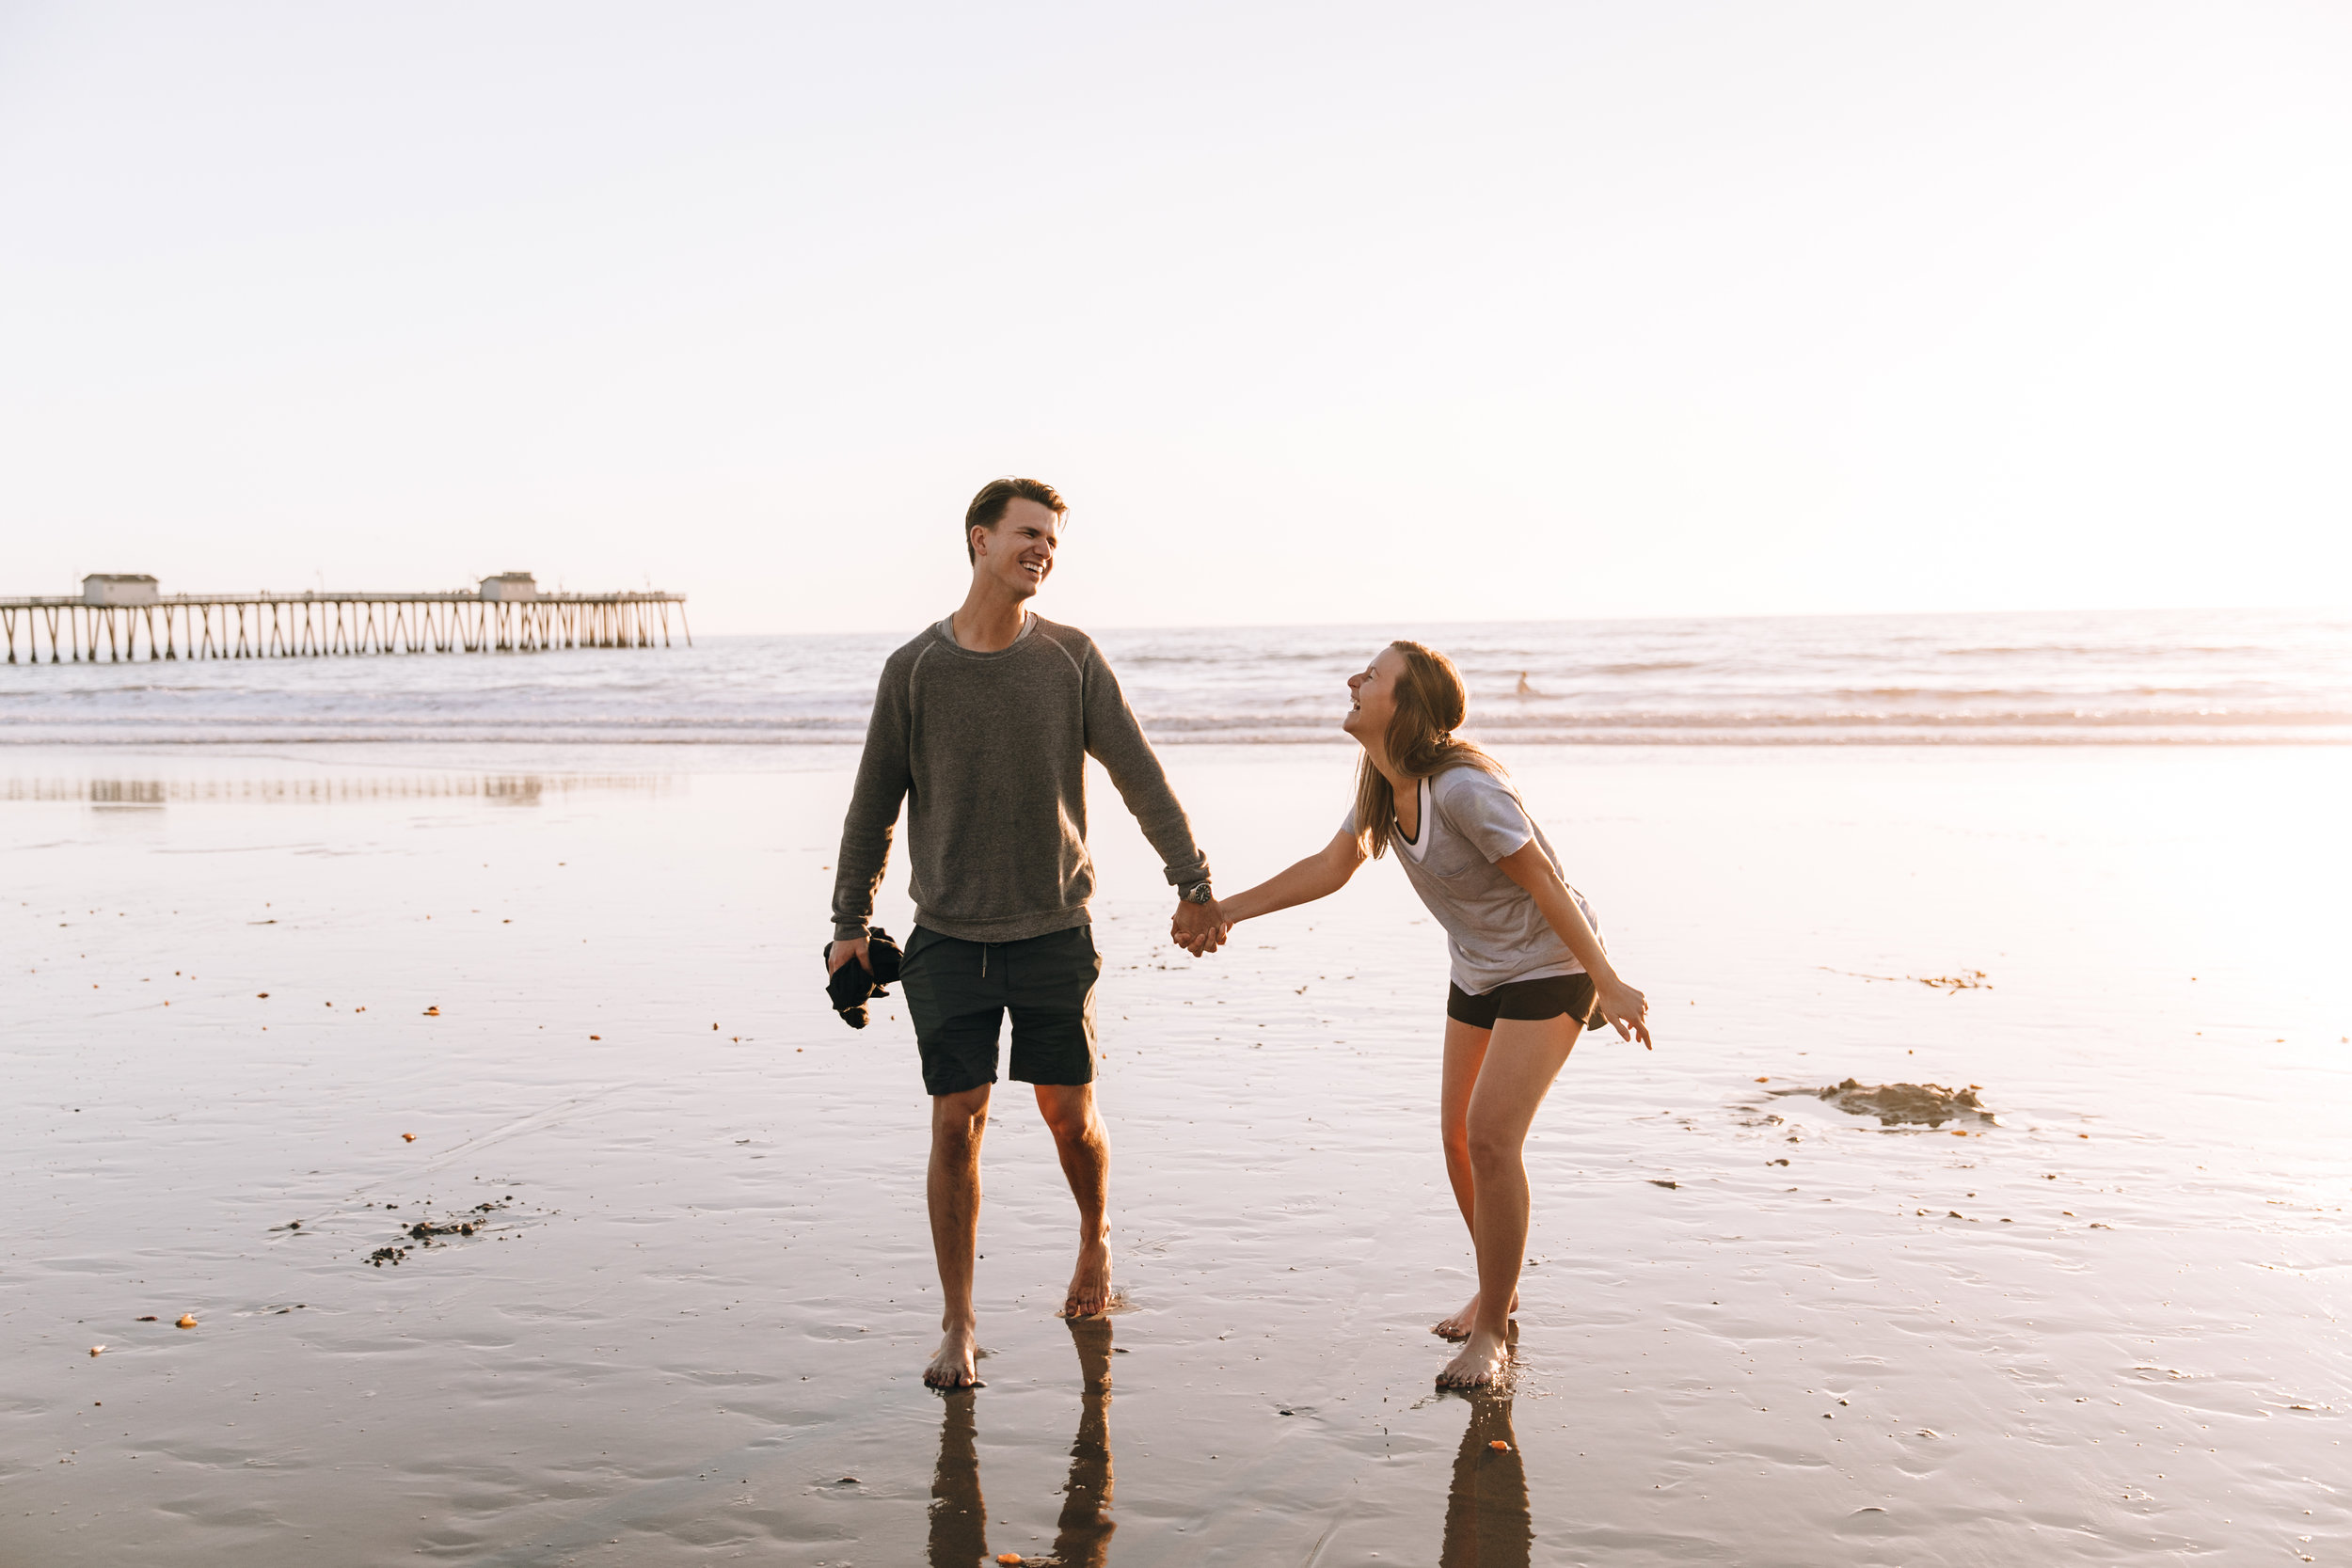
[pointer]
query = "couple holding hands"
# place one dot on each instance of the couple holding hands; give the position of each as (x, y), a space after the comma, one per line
(981, 728)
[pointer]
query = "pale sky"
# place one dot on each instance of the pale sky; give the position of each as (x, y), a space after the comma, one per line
(1332, 312)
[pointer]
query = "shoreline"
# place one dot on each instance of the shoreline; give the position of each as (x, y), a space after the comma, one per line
(359, 753)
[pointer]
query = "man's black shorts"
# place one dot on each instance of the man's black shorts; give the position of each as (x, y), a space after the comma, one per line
(1549, 997)
(958, 993)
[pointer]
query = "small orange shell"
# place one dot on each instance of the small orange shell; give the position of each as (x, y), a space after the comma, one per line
(187, 1320)
(1008, 1557)
(433, 1012)
(1500, 1446)
(96, 1350)
(408, 1137)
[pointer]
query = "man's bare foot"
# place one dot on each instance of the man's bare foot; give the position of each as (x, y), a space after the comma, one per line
(1480, 1365)
(1459, 1325)
(1090, 1283)
(952, 1368)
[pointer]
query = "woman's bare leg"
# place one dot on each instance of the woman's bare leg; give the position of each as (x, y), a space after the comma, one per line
(1522, 1059)
(1465, 1048)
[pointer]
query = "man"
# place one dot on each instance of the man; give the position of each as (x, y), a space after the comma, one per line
(982, 724)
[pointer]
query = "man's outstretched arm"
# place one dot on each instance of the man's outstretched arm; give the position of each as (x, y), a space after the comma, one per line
(1115, 739)
(883, 777)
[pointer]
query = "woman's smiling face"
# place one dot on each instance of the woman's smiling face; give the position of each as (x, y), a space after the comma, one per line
(1372, 698)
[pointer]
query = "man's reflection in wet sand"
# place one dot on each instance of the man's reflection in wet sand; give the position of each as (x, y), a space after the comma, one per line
(959, 1514)
(1487, 1524)
(1082, 1537)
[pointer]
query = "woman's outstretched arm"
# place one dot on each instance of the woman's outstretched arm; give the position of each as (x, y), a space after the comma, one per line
(1620, 1003)
(1319, 876)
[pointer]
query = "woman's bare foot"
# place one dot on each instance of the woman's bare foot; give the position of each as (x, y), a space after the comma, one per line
(1480, 1365)
(1458, 1326)
(1089, 1283)
(952, 1368)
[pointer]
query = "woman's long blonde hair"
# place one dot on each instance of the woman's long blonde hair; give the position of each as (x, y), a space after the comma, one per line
(1431, 703)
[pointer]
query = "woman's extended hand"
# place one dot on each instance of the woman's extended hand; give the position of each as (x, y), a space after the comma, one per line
(1318, 875)
(1627, 1011)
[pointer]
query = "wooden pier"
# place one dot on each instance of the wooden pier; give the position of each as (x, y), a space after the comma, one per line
(118, 619)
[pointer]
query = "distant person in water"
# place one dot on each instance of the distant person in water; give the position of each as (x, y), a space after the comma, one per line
(982, 727)
(1529, 972)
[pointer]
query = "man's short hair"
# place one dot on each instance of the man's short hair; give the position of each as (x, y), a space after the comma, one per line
(988, 508)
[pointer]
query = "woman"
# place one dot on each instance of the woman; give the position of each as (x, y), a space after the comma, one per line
(1529, 970)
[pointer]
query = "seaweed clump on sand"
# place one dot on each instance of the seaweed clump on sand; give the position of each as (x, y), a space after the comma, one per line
(424, 1231)
(1903, 1104)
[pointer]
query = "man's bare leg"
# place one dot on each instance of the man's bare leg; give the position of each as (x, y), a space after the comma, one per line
(1526, 1055)
(1464, 1049)
(958, 1120)
(1086, 1160)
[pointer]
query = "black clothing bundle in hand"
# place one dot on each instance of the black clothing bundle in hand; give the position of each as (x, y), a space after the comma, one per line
(850, 987)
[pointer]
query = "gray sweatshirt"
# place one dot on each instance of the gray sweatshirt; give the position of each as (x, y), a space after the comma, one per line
(989, 752)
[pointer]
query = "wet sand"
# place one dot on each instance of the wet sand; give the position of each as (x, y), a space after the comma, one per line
(2097, 1319)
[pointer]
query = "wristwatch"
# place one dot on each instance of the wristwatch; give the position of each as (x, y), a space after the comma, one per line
(1196, 894)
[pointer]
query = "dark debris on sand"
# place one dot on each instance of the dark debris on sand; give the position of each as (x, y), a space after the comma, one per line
(1902, 1104)
(424, 1232)
(1967, 979)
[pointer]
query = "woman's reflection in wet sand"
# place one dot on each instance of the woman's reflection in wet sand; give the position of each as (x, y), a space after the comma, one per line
(1487, 1524)
(1082, 1536)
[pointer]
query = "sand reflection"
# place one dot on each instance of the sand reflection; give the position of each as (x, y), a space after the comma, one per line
(1486, 1523)
(1082, 1538)
(507, 789)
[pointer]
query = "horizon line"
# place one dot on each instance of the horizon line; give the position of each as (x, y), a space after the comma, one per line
(2332, 609)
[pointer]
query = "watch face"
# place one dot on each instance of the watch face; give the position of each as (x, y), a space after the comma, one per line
(1200, 895)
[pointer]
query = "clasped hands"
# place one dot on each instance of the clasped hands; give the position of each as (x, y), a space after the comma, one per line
(1199, 928)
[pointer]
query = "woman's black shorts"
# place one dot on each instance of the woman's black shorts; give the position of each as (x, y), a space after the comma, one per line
(1549, 997)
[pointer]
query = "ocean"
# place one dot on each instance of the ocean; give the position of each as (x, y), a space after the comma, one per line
(2204, 676)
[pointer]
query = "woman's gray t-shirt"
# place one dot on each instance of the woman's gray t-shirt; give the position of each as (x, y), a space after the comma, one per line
(1469, 820)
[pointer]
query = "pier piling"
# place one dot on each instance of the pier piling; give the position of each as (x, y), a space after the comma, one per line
(108, 625)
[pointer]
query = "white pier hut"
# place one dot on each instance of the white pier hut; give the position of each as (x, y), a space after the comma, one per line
(119, 588)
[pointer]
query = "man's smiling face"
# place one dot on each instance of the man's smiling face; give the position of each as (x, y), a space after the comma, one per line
(1019, 551)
